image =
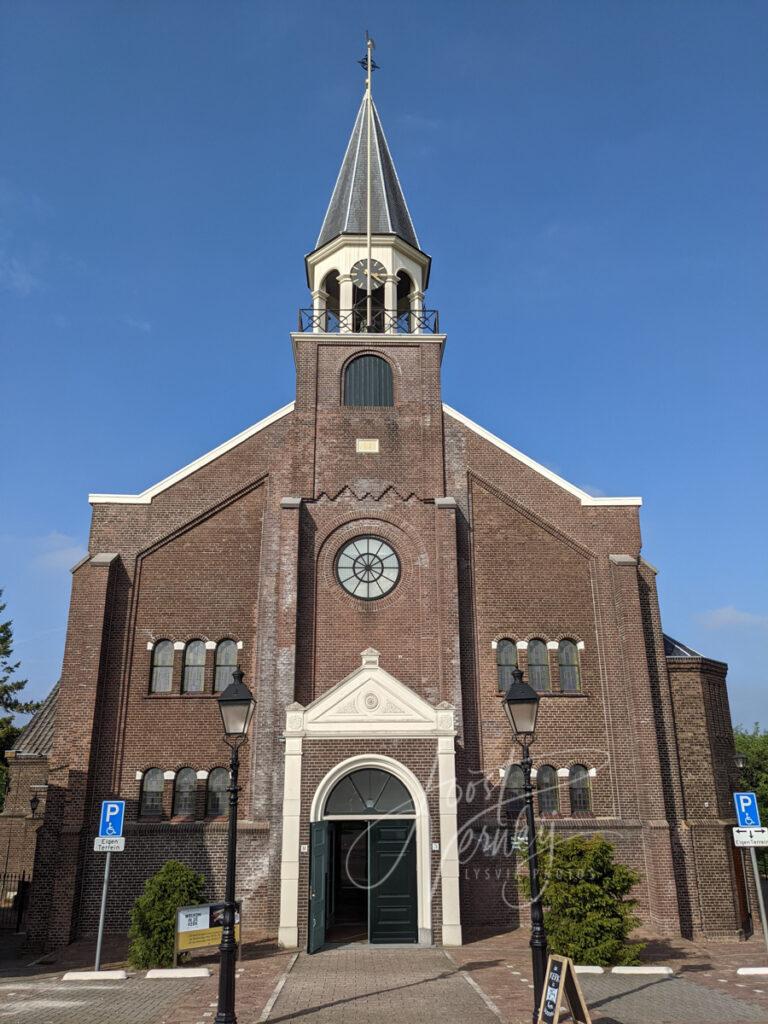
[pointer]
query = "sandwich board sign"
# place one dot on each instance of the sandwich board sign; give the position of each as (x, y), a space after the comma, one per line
(560, 983)
(201, 927)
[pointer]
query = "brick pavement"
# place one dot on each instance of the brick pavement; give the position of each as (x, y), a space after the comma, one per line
(48, 1000)
(706, 987)
(371, 985)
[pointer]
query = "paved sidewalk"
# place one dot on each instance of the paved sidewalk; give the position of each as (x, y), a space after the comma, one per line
(373, 985)
(705, 989)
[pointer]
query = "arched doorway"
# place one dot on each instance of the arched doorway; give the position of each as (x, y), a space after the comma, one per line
(367, 832)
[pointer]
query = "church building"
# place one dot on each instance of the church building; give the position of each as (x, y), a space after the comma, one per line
(377, 564)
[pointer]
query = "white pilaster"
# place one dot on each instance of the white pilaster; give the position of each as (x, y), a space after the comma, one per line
(345, 299)
(449, 852)
(288, 931)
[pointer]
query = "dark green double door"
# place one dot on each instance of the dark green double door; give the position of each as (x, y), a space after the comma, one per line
(388, 892)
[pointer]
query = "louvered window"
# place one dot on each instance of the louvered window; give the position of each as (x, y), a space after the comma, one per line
(368, 381)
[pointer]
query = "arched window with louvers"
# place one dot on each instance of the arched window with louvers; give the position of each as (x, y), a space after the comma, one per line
(161, 680)
(194, 667)
(226, 663)
(580, 790)
(506, 660)
(538, 665)
(151, 802)
(546, 788)
(184, 793)
(568, 664)
(216, 804)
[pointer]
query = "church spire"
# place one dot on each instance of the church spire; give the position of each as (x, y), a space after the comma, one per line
(347, 210)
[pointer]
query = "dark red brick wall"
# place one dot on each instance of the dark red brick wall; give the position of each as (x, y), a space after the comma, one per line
(220, 553)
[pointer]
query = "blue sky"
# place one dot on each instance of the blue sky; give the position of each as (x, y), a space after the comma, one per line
(590, 178)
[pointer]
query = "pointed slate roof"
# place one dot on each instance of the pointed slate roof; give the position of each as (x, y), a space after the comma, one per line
(37, 737)
(346, 213)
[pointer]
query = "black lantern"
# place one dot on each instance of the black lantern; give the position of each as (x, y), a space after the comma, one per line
(236, 705)
(740, 761)
(521, 705)
(34, 803)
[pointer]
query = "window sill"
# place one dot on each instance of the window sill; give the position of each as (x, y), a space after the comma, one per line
(185, 696)
(561, 693)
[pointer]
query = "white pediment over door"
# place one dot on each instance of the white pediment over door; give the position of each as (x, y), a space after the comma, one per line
(370, 702)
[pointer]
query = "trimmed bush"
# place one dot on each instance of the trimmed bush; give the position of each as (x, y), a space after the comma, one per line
(153, 918)
(587, 910)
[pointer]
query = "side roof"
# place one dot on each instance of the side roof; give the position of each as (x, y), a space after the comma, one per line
(37, 737)
(674, 649)
(145, 498)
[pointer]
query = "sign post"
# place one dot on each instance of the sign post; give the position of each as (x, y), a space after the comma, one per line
(110, 839)
(751, 834)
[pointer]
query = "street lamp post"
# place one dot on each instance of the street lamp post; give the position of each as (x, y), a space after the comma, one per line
(521, 706)
(236, 705)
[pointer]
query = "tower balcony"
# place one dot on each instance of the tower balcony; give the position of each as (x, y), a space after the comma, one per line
(383, 321)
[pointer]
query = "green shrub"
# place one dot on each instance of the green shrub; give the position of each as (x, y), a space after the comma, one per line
(153, 918)
(587, 912)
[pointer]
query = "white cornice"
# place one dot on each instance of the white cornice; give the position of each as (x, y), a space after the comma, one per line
(583, 496)
(145, 498)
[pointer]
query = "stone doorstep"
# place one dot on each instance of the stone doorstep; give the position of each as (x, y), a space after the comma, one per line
(115, 975)
(752, 970)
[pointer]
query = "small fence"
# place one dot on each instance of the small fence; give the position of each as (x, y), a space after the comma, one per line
(14, 899)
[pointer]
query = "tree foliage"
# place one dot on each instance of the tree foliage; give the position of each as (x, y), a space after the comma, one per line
(10, 700)
(588, 913)
(753, 744)
(153, 918)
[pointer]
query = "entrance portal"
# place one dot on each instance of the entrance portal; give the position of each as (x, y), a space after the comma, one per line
(363, 863)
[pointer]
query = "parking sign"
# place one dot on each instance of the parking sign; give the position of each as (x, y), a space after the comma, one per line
(111, 821)
(747, 813)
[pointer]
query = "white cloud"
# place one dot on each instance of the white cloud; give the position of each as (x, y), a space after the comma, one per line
(726, 618)
(15, 276)
(144, 326)
(56, 552)
(596, 492)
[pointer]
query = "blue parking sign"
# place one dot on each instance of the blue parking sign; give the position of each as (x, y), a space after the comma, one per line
(111, 821)
(747, 813)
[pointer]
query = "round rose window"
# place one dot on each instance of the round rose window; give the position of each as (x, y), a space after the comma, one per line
(367, 567)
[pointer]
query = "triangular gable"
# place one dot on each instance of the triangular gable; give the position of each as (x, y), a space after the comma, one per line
(367, 702)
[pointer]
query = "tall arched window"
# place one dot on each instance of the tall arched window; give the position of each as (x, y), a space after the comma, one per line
(216, 800)
(568, 660)
(184, 791)
(162, 667)
(368, 381)
(506, 660)
(226, 663)
(578, 783)
(194, 667)
(512, 795)
(538, 665)
(151, 793)
(546, 786)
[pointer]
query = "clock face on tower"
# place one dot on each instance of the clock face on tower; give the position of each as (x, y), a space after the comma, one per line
(367, 567)
(359, 274)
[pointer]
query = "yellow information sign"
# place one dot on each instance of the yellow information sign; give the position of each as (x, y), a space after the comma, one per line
(201, 927)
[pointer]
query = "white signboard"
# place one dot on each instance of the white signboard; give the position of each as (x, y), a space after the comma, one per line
(109, 844)
(750, 836)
